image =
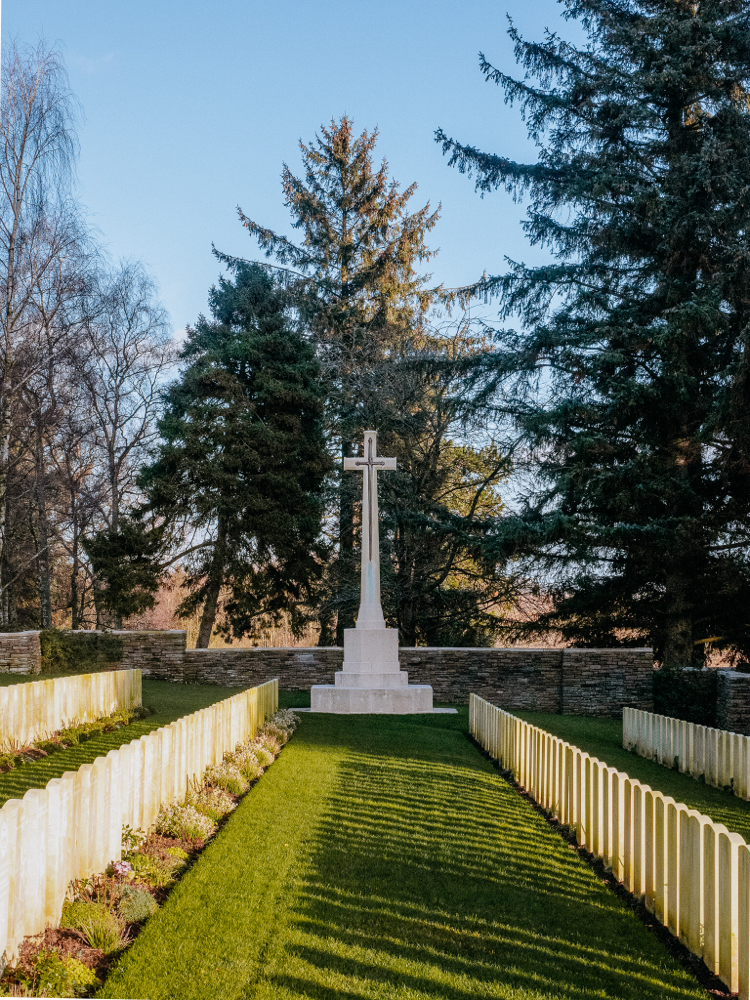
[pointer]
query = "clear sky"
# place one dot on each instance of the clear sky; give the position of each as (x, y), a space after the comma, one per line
(191, 109)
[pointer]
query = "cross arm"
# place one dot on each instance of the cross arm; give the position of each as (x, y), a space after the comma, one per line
(350, 466)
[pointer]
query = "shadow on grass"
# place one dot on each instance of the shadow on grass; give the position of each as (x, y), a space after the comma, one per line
(383, 857)
(435, 879)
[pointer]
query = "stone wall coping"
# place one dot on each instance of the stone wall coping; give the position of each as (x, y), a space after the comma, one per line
(428, 649)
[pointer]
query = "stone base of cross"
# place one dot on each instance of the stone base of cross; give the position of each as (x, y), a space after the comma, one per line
(371, 680)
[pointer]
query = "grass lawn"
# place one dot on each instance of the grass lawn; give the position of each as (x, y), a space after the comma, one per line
(170, 702)
(602, 738)
(384, 857)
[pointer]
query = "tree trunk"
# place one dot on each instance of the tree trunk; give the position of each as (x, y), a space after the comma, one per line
(213, 589)
(75, 621)
(678, 626)
(42, 533)
(327, 635)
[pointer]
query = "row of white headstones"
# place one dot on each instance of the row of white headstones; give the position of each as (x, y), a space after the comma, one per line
(371, 680)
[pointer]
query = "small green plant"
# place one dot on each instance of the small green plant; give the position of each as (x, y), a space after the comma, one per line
(177, 852)
(136, 904)
(184, 823)
(101, 927)
(153, 871)
(56, 976)
(131, 838)
(226, 776)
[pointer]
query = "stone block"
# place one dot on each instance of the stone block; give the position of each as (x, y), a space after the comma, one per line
(411, 700)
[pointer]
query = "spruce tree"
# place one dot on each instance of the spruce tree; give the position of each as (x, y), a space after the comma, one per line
(630, 378)
(352, 278)
(243, 456)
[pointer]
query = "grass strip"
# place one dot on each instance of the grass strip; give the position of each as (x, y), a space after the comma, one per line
(384, 857)
(169, 702)
(602, 738)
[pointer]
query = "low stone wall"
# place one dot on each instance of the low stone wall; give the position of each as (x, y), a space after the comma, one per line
(517, 678)
(577, 681)
(158, 654)
(20, 653)
(593, 679)
(297, 668)
(733, 702)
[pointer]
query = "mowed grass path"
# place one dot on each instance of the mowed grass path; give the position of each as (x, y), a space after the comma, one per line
(384, 857)
(169, 701)
(602, 738)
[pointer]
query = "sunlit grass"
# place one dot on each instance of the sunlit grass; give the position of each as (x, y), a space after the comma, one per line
(169, 701)
(383, 857)
(602, 738)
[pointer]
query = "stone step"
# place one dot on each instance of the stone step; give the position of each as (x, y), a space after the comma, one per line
(412, 700)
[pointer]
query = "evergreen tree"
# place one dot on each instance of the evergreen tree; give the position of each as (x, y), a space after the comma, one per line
(353, 280)
(631, 380)
(439, 506)
(243, 456)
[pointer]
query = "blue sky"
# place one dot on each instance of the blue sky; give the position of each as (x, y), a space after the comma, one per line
(191, 109)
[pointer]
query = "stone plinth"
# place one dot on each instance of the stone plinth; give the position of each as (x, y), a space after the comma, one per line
(371, 681)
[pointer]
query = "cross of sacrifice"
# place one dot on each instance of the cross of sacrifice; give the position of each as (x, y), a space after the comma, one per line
(370, 612)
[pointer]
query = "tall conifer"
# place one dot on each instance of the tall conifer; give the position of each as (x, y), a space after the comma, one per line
(352, 278)
(637, 337)
(243, 456)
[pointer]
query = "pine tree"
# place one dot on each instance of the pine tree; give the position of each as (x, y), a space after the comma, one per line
(630, 381)
(243, 456)
(353, 280)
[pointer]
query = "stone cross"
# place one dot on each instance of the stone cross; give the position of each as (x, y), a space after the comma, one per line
(370, 610)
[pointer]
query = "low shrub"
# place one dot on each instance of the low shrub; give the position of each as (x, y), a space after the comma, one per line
(226, 776)
(269, 743)
(246, 761)
(53, 976)
(686, 694)
(153, 871)
(101, 927)
(280, 734)
(177, 852)
(262, 753)
(184, 823)
(286, 718)
(136, 904)
(212, 802)
(64, 651)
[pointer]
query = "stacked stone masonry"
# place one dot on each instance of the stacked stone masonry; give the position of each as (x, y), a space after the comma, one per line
(579, 682)
(20, 653)
(733, 702)
(575, 681)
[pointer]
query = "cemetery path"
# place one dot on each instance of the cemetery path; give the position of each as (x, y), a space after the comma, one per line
(384, 857)
(602, 738)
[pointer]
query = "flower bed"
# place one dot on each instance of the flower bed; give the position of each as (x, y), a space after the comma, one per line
(71, 736)
(102, 915)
